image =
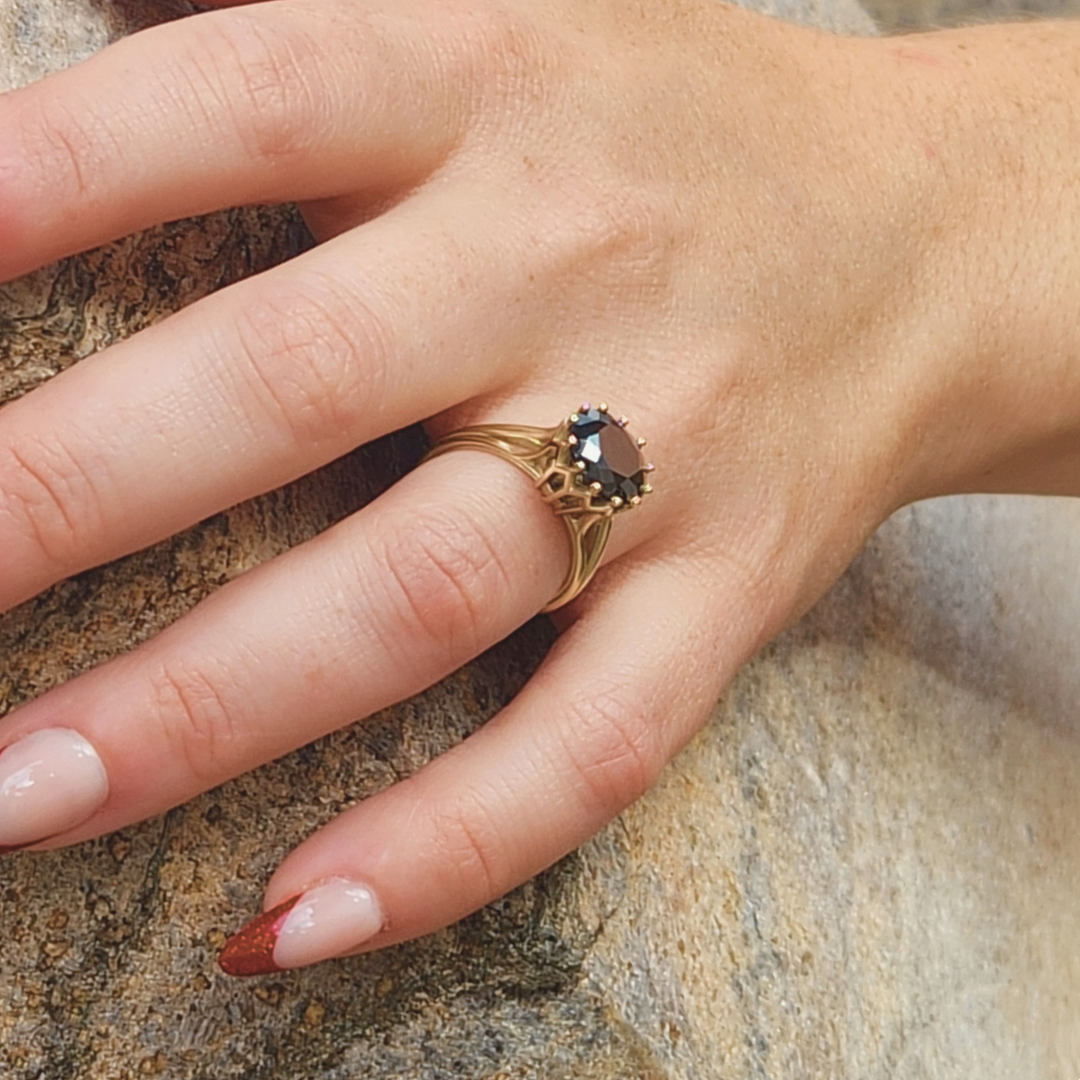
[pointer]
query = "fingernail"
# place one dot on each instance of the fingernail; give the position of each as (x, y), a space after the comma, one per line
(326, 921)
(250, 951)
(50, 781)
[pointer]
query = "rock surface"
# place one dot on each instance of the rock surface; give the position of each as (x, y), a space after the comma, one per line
(901, 16)
(865, 866)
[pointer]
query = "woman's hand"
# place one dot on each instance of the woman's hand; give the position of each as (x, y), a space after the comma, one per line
(742, 234)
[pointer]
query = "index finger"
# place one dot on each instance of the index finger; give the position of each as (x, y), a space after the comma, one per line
(223, 109)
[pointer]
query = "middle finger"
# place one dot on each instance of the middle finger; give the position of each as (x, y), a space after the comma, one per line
(260, 384)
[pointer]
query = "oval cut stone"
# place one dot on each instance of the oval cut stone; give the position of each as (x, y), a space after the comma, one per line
(612, 459)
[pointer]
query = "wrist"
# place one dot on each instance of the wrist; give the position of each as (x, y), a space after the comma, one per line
(994, 114)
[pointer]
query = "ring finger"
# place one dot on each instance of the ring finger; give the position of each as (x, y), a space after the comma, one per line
(385, 603)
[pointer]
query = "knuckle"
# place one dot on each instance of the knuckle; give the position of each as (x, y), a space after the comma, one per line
(616, 243)
(443, 580)
(265, 70)
(495, 37)
(66, 146)
(467, 836)
(629, 239)
(48, 496)
(498, 55)
(312, 360)
(197, 722)
(614, 746)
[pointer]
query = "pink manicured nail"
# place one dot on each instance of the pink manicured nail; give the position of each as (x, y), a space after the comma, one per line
(326, 921)
(50, 781)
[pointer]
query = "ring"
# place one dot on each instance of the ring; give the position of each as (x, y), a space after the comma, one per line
(587, 469)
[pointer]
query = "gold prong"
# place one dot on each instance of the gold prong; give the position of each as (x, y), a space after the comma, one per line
(646, 489)
(596, 487)
(579, 465)
(635, 500)
(585, 407)
(642, 443)
(616, 501)
(572, 441)
(622, 421)
(603, 406)
(574, 418)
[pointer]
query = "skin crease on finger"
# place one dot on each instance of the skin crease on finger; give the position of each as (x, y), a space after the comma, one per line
(802, 261)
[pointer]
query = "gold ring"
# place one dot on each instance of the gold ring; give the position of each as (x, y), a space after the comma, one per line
(587, 469)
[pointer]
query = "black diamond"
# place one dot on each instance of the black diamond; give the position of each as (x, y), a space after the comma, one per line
(612, 459)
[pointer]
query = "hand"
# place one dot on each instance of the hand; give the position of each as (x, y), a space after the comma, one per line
(521, 206)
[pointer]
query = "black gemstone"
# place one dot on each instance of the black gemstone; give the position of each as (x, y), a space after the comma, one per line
(612, 459)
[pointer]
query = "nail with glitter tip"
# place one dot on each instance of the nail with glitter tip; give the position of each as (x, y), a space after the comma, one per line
(328, 920)
(250, 951)
(50, 781)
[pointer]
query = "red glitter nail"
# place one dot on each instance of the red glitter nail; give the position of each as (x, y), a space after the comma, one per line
(251, 950)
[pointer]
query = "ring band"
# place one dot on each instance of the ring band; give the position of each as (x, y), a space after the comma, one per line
(587, 469)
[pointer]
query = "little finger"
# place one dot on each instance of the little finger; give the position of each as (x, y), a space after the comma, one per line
(620, 693)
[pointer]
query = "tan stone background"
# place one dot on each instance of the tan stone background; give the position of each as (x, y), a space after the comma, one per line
(907, 15)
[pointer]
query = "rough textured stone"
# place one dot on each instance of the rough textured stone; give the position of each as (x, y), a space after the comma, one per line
(905, 15)
(865, 866)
